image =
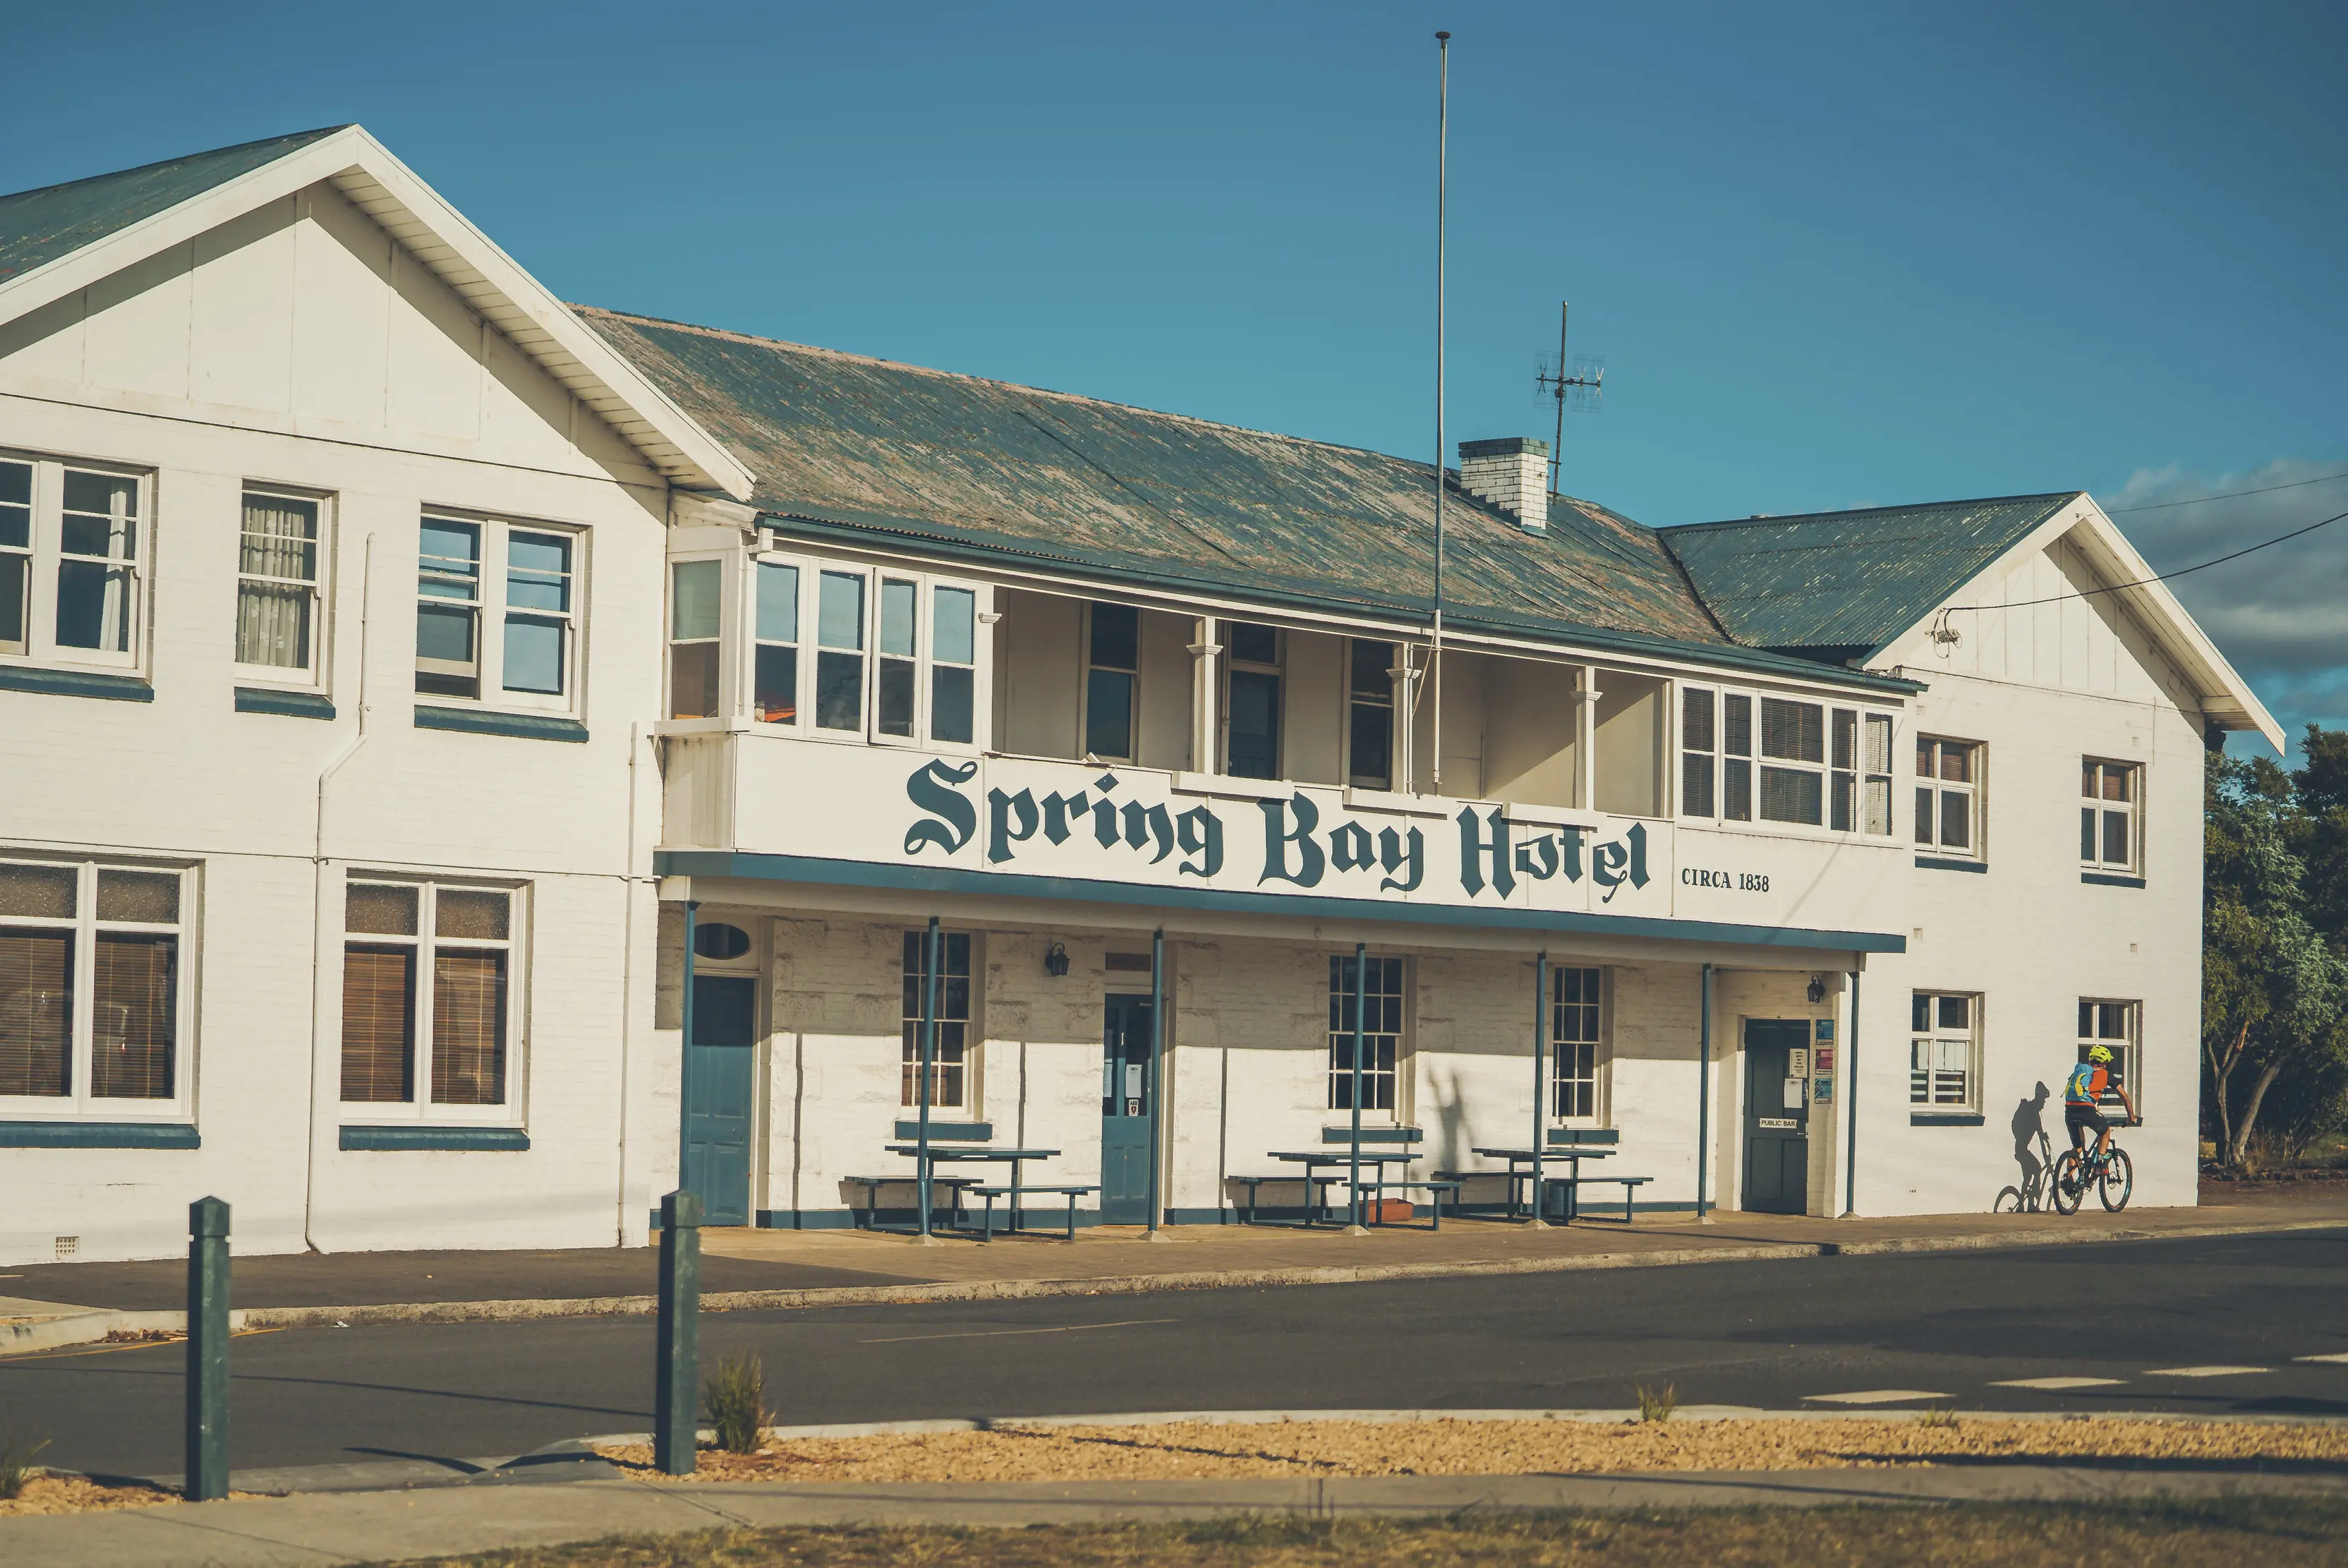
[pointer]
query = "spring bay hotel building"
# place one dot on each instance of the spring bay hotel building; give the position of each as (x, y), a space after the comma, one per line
(390, 654)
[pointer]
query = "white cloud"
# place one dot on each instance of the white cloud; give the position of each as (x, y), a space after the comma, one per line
(2281, 615)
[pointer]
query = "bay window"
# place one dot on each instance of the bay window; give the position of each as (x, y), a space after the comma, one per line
(74, 545)
(93, 988)
(839, 652)
(775, 673)
(497, 612)
(953, 665)
(1819, 766)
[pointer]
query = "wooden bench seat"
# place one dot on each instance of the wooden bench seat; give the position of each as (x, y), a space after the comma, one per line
(1014, 1193)
(1437, 1188)
(951, 1186)
(1569, 1186)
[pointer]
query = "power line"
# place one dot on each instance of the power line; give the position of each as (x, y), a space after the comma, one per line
(2229, 495)
(2163, 577)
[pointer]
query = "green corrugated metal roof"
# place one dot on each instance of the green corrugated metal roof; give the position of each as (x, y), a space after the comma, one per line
(1842, 584)
(871, 444)
(36, 227)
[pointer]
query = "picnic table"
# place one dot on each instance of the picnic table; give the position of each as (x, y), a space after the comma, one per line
(983, 1153)
(1521, 1169)
(1340, 1156)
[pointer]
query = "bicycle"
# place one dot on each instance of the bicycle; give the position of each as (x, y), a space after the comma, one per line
(2112, 1173)
(2030, 1195)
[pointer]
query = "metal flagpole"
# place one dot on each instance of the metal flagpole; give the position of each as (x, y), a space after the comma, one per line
(1157, 1059)
(929, 1068)
(1541, 1081)
(1354, 1204)
(1442, 199)
(1703, 1092)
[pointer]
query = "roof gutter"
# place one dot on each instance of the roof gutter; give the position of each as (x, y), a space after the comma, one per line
(1403, 617)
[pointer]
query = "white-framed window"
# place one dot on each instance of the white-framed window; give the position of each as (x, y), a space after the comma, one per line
(1369, 714)
(2110, 835)
(281, 574)
(774, 658)
(696, 624)
(1112, 682)
(431, 1002)
(1948, 797)
(499, 611)
(2117, 1026)
(1251, 708)
(894, 662)
(1806, 763)
(1381, 1027)
(1575, 1020)
(95, 988)
(1944, 1051)
(950, 1061)
(74, 540)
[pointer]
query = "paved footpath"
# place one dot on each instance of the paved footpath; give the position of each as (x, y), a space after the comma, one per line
(46, 1306)
(366, 1527)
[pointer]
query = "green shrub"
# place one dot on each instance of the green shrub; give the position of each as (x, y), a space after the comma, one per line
(16, 1469)
(735, 1394)
(1655, 1406)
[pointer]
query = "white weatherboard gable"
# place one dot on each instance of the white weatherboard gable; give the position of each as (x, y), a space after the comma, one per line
(2175, 638)
(466, 260)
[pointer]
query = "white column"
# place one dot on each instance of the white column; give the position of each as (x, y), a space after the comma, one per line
(1404, 780)
(1206, 692)
(1585, 739)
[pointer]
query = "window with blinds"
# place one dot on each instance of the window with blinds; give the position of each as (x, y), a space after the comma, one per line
(463, 939)
(92, 987)
(278, 576)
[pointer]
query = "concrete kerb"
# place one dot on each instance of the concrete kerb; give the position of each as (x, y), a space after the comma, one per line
(52, 1333)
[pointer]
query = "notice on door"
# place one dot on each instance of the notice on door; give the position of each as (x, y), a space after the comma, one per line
(1797, 1093)
(1132, 1080)
(1778, 1123)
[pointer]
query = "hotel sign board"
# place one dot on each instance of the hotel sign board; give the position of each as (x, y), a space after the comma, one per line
(1146, 827)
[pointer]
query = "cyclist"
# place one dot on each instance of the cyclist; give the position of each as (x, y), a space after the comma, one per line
(2082, 1096)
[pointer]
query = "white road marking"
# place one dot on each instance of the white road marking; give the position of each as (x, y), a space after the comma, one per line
(1876, 1397)
(2058, 1383)
(999, 1333)
(2341, 1359)
(2203, 1372)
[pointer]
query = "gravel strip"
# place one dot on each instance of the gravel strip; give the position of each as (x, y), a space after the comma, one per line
(79, 1494)
(1216, 1450)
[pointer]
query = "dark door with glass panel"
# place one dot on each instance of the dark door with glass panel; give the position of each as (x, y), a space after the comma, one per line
(722, 1079)
(1777, 1116)
(1127, 1093)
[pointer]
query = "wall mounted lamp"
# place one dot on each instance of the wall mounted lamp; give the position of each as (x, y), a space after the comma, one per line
(1056, 960)
(1817, 989)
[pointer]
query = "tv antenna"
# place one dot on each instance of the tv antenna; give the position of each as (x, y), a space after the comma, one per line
(1577, 384)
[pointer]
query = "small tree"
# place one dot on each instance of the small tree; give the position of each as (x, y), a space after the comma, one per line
(2273, 988)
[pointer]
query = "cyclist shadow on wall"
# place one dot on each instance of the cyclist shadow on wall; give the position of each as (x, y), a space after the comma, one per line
(2034, 1152)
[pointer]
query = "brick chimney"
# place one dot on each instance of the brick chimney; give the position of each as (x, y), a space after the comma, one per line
(1512, 474)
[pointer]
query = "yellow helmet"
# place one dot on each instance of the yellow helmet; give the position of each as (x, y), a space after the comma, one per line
(2099, 1054)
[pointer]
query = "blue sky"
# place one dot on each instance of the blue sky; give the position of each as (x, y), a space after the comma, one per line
(1835, 255)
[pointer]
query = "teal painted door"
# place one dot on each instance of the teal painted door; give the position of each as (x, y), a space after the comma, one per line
(1126, 1095)
(1776, 1117)
(723, 1079)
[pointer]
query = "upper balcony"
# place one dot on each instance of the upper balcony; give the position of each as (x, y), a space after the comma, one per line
(836, 708)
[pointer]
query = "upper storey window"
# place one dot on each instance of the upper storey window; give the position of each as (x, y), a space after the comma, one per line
(497, 612)
(280, 571)
(2110, 821)
(1112, 673)
(827, 650)
(1948, 797)
(1745, 757)
(75, 541)
(1369, 714)
(1253, 743)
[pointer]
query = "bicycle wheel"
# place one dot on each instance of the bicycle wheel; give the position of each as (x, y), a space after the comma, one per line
(2119, 1180)
(2063, 1187)
(2009, 1202)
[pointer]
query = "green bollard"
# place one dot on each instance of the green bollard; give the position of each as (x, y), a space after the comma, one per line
(677, 1396)
(207, 1350)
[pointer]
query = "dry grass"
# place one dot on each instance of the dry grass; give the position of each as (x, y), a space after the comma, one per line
(73, 1494)
(2229, 1533)
(1200, 1449)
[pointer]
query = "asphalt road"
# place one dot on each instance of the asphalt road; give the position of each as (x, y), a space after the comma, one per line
(1776, 1335)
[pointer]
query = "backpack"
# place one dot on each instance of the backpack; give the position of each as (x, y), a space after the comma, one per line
(2085, 1084)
